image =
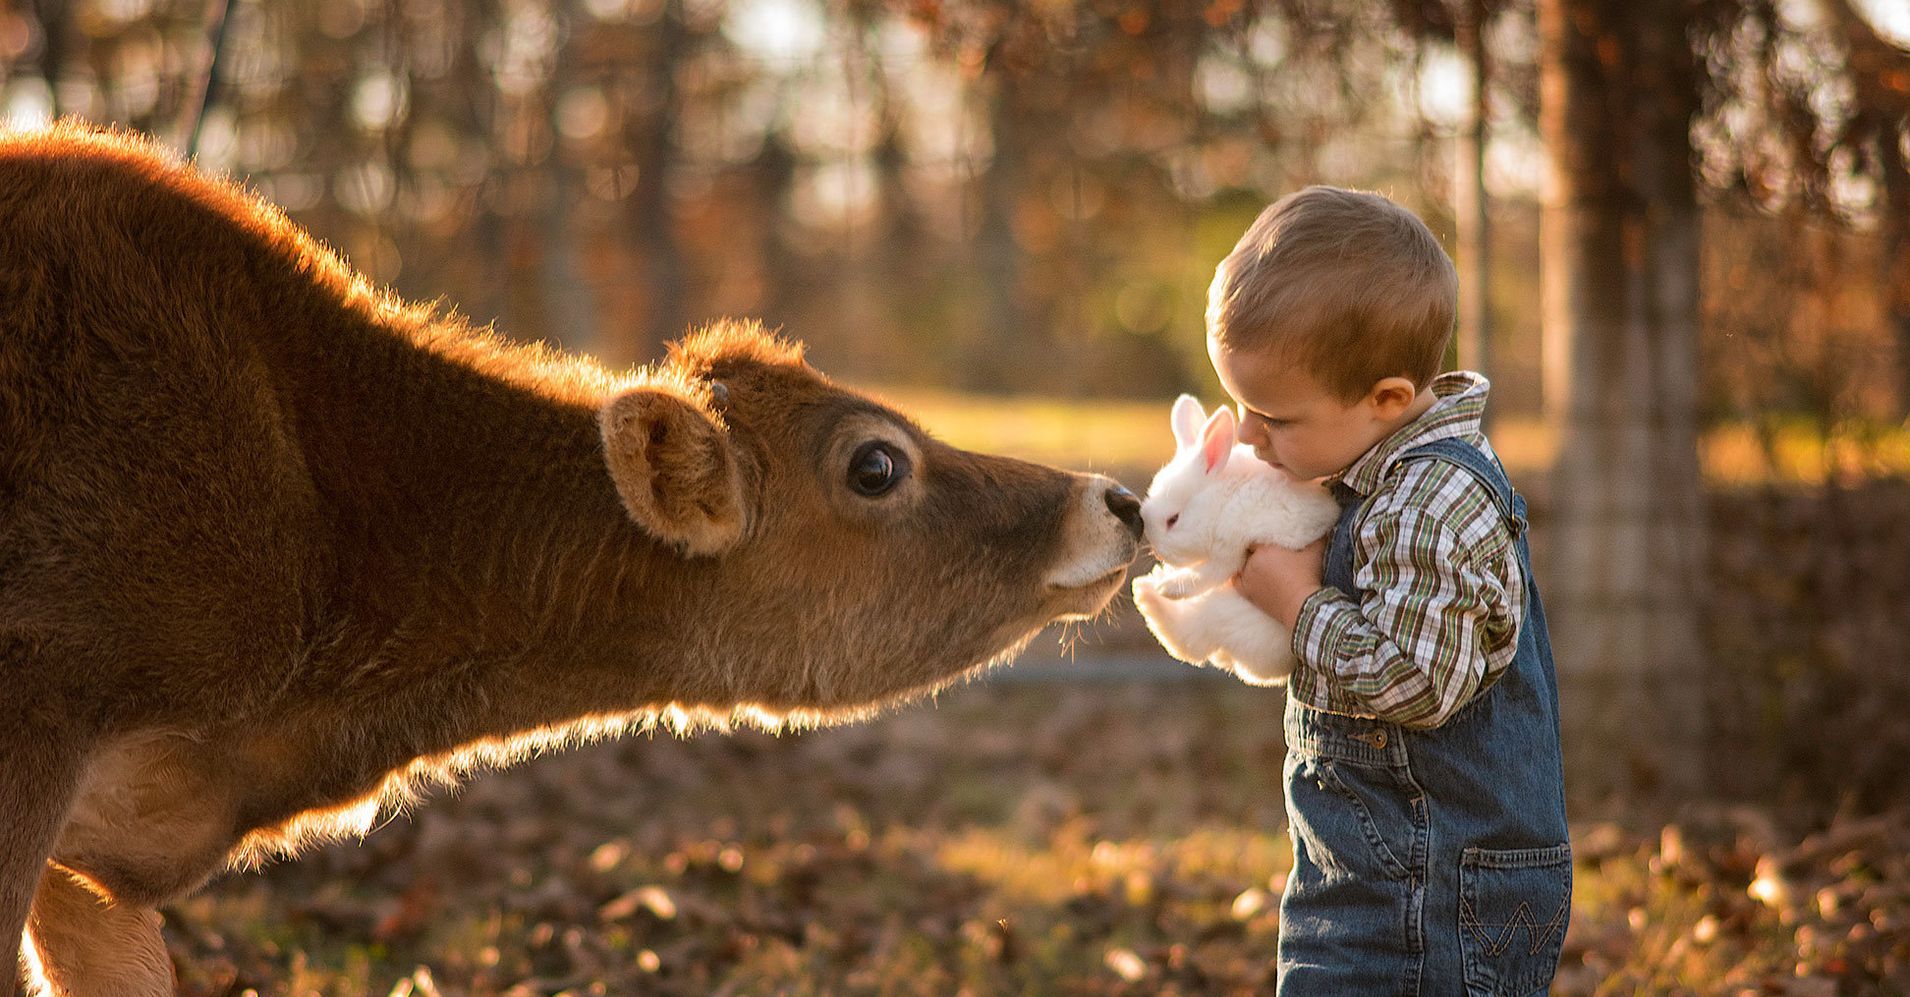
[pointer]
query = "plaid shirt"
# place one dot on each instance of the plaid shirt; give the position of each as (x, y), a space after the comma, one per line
(1444, 594)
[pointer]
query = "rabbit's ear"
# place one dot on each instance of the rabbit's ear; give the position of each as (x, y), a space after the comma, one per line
(1217, 440)
(1188, 415)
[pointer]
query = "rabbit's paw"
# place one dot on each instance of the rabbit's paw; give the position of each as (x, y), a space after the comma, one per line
(1147, 593)
(1181, 584)
(1163, 615)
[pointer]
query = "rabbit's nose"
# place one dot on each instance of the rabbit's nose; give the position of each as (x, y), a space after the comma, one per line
(1126, 508)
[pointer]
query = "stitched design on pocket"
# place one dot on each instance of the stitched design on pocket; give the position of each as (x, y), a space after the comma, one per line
(1513, 910)
(1508, 931)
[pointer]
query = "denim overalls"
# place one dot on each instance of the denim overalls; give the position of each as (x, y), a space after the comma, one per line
(1424, 858)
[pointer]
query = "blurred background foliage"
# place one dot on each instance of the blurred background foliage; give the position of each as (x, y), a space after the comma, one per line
(993, 196)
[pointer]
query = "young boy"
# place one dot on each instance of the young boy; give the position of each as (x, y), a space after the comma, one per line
(1423, 782)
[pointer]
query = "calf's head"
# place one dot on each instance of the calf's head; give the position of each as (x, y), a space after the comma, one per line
(824, 554)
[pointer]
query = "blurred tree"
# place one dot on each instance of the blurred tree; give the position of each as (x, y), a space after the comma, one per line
(55, 21)
(569, 300)
(1469, 189)
(1619, 92)
(649, 133)
(1013, 329)
(1466, 24)
(1880, 125)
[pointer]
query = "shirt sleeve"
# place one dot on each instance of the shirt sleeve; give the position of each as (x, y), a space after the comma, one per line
(1414, 649)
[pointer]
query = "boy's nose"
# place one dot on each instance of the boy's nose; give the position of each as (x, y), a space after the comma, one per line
(1252, 433)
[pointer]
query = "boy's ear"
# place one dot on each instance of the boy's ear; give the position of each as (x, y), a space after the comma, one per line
(1188, 415)
(1391, 396)
(674, 468)
(1217, 440)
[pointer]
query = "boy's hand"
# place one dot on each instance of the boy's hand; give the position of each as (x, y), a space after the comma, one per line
(1278, 581)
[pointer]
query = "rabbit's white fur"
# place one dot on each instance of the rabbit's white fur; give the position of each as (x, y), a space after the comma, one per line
(1203, 511)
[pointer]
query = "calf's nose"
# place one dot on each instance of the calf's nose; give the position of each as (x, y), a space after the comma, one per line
(1126, 508)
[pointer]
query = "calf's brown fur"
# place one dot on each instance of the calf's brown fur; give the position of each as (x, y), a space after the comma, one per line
(275, 547)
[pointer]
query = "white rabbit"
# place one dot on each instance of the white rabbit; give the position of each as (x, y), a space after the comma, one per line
(1203, 511)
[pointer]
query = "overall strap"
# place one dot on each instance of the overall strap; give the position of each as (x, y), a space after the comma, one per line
(1486, 469)
(1338, 568)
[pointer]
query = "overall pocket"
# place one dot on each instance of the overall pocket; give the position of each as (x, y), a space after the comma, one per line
(1360, 818)
(1513, 909)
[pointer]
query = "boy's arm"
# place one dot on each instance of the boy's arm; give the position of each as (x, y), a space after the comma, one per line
(1414, 650)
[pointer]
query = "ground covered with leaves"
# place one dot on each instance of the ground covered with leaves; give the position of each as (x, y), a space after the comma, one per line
(1009, 838)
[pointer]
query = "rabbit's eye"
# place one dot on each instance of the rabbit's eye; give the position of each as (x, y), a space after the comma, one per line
(1171, 520)
(876, 468)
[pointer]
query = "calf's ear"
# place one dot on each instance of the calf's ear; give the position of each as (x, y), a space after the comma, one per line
(675, 470)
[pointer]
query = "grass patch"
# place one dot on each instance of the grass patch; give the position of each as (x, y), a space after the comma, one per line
(1007, 839)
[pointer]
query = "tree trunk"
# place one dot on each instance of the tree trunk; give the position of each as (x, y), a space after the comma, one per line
(1469, 200)
(56, 29)
(770, 176)
(998, 348)
(1620, 306)
(570, 304)
(484, 114)
(1893, 209)
(651, 136)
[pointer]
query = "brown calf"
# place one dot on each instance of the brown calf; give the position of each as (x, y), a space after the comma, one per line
(275, 547)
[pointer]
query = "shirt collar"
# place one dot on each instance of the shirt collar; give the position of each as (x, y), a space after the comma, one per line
(1459, 405)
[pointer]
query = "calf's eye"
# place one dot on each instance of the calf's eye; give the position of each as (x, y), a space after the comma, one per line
(876, 468)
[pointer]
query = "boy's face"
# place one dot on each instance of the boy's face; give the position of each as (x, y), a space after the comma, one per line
(1294, 423)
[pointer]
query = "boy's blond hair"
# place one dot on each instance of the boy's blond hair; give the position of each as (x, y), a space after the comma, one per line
(1347, 285)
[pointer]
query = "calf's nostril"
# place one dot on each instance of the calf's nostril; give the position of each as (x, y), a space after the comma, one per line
(1126, 508)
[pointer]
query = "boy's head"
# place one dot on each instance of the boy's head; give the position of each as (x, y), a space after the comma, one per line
(1327, 322)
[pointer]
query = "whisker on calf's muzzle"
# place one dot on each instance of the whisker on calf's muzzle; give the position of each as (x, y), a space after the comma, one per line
(1099, 538)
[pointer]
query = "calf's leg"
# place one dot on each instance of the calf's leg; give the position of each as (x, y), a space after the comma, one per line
(39, 775)
(84, 945)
